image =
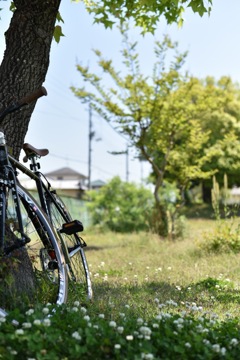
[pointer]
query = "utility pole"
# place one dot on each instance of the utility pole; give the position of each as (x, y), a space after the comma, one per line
(90, 136)
(127, 165)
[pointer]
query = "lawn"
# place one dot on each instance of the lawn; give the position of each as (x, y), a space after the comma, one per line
(153, 299)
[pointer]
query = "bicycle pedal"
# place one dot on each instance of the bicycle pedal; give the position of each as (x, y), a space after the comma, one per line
(71, 227)
(25, 239)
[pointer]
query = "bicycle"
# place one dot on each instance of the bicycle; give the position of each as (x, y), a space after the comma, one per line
(66, 228)
(31, 231)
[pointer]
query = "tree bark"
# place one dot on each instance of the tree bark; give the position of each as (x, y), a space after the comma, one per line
(23, 70)
(25, 62)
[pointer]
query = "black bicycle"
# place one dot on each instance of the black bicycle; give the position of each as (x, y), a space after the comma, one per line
(39, 242)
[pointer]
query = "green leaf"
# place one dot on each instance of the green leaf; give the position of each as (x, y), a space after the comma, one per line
(57, 33)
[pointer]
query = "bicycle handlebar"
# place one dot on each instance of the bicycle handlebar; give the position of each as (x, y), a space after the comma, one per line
(24, 101)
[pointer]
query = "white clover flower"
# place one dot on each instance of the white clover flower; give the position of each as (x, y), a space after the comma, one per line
(161, 306)
(120, 329)
(2, 319)
(101, 316)
(26, 325)
(46, 322)
(129, 337)
(76, 303)
(96, 327)
(216, 348)
(145, 331)
(147, 356)
(83, 310)
(112, 324)
(19, 332)
(122, 315)
(155, 326)
(223, 351)
(86, 317)
(37, 322)
(29, 312)
(14, 352)
(45, 311)
(127, 306)
(117, 346)
(75, 309)
(188, 345)
(206, 342)
(156, 300)
(158, 317)
(76, 335)
(140, 321)
(234, 342)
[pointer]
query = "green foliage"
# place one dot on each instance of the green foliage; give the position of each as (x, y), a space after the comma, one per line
(225, 237)
(146, 14)
(121, 206)
(186, 128)
(43, 333)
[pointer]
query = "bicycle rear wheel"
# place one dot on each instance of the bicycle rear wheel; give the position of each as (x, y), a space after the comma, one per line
(35, 273)
(73, 245)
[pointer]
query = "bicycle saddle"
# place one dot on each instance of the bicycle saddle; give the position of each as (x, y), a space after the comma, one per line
(31, 151)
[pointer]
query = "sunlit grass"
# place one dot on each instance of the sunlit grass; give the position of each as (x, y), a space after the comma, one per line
(138, 268)
(153, 299)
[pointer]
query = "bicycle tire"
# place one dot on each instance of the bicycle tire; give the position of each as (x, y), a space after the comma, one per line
(78, 268)
(45, 259)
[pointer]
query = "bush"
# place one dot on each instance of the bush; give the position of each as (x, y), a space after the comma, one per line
(224, 238)
(121, 206)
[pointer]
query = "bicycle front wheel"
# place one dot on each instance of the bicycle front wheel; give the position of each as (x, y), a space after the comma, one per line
(36, 272)
(79, 274)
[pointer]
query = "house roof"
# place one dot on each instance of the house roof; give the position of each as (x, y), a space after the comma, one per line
(65, 172)
(97, 183)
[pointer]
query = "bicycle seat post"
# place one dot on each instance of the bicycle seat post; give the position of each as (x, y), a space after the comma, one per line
(35, 165)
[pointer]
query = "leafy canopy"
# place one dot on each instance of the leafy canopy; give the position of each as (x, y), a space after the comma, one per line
(146, 13)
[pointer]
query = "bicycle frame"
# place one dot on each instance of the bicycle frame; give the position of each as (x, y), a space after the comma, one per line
(8, 182)
(44, 191)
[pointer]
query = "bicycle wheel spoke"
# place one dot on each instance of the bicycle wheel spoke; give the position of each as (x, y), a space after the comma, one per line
(46, 280)
(80, 284)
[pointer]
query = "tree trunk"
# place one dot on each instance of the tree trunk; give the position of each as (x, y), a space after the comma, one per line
(23, 70)
(25, 62)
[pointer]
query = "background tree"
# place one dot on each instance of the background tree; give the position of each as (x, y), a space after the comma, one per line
(121, 206)
(164, 116)
(28, 43)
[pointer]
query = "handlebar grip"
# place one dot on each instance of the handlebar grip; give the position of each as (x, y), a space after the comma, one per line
(33, 96)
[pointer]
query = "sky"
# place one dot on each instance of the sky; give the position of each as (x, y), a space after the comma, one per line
(60, 121)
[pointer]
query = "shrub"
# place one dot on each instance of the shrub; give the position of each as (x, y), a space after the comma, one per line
(121, 206)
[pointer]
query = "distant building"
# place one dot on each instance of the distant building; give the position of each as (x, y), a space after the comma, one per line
(97, 184)
(66, 181)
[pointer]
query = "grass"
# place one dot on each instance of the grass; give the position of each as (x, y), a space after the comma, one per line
(141, 267)
(153, 299)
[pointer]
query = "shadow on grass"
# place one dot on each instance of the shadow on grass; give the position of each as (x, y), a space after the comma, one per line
(209, 294)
